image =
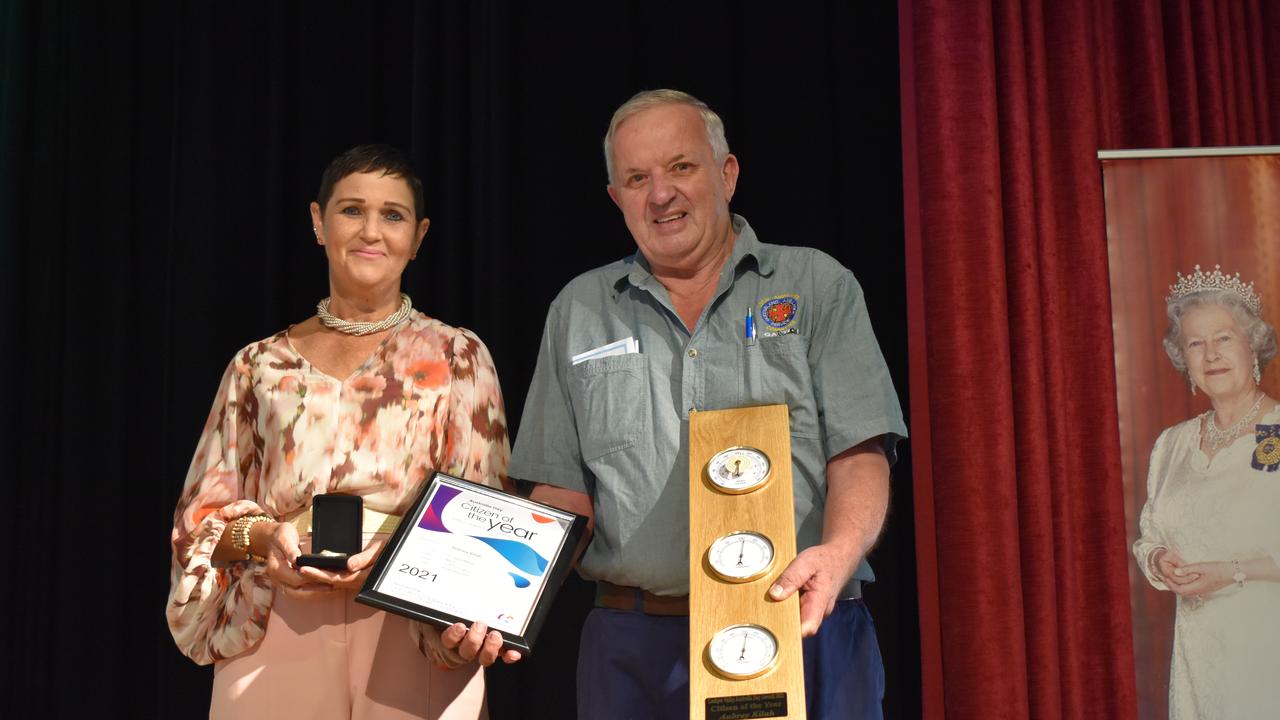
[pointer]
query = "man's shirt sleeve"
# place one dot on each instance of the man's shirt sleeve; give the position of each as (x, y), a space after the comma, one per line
(854, 392)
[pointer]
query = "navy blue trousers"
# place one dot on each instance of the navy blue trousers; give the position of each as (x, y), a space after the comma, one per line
(633, 666)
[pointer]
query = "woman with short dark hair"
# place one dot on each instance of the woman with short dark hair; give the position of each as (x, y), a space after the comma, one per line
(369, 398)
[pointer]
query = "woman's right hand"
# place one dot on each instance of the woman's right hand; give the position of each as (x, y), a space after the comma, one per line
(1169, 563)
(278, 543)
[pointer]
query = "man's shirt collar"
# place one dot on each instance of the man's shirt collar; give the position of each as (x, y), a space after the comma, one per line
(635, 269)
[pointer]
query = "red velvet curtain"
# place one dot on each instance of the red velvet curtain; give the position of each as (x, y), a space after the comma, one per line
(1020, 519)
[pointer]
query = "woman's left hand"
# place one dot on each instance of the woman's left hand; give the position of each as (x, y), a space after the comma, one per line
(460, 645)
(1214, 576)
(353, 577)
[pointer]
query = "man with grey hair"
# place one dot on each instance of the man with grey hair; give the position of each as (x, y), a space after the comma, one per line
(630, 349)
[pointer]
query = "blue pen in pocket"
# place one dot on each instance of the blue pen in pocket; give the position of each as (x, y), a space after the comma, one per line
(750, 360)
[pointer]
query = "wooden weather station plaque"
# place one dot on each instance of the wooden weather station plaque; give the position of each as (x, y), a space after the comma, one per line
(745, 659)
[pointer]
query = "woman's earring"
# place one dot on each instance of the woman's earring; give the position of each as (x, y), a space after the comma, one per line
(1257, 372)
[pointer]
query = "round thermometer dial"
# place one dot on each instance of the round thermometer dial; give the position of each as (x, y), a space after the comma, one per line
(741, 652)
(741, 556)
(738, 470)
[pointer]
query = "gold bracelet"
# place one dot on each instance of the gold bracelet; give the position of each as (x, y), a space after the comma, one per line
(240, 534)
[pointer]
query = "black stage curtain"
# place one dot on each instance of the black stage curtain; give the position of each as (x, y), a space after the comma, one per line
(156, 162)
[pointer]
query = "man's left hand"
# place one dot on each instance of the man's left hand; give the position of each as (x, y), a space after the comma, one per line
(819, 573)
(857, 498)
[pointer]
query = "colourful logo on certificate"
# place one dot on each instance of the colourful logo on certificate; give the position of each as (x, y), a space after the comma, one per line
(780, 312)
(520, 555)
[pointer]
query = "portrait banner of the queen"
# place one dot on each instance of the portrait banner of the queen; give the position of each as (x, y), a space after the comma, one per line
(1194, 249)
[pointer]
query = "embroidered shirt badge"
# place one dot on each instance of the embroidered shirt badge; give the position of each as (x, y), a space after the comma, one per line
(779, 312)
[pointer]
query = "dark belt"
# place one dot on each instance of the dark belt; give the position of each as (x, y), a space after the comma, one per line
(633, 599)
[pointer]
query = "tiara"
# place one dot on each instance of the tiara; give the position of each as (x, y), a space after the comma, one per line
(1200, 281)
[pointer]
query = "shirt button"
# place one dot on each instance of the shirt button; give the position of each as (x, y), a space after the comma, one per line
(693, 352)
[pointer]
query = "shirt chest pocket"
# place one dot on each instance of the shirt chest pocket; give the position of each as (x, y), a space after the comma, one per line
(611, 403)
(776, 370)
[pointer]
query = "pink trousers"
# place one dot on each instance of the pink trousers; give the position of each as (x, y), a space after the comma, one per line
(327, 657)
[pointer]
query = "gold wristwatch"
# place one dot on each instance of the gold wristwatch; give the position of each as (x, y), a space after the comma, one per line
(240, 534)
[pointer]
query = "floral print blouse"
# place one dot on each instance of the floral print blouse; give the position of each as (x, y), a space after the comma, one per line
(281, 431)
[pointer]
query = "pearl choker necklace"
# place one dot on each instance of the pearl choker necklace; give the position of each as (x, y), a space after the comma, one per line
(1219, 439)
(334, 322)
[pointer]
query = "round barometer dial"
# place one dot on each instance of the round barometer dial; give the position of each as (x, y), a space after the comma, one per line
(738, 470)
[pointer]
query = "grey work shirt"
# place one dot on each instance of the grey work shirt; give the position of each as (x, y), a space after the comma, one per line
(616, 428)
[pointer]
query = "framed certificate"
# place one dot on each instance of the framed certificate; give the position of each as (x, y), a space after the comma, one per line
(466, 552)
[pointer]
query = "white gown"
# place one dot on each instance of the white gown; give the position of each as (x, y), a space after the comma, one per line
(1226, 648)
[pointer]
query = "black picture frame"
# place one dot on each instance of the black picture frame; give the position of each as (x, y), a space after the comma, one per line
(384, 589)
